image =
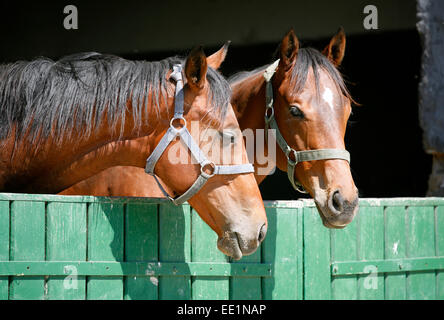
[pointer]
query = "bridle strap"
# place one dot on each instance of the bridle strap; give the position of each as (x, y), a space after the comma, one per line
(293, 156)
(188, 140)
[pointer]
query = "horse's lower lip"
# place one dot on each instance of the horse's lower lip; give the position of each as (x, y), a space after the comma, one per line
(230, 246)
(331, 226)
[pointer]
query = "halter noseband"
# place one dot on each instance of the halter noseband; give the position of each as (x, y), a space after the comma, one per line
(293, 156)
(196, 152)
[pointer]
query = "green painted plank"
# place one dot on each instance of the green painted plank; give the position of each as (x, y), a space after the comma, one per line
(78, 199)
(4, 246)
(371, 246)
(317, 279)
(300, 254)
(379, 202)
(247, 288)
(66, 241)
(295, 204)
(421, 243)
(387, 266)
(204, 249)
(344, 248)
(439, 235)
(105, 243)
(141, 244)
(174, 246)
(401, 202)
(282, 248)
(27, 244)
(395, 248)
(116, 268)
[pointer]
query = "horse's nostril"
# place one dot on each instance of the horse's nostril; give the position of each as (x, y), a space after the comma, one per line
(262, 233)
(338, 201)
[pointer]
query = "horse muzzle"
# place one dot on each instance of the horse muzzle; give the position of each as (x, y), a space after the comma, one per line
(336, 211)
(237, 245)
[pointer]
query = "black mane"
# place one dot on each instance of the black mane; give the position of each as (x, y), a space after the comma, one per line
(45, 98)
(307, 58)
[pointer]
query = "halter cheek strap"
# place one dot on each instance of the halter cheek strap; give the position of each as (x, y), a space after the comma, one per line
(293, 156)
(188, 140)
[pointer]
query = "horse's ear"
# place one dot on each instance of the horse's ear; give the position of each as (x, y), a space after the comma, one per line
(288, 49)
(196, 68)
(335, 50)
(216, 59)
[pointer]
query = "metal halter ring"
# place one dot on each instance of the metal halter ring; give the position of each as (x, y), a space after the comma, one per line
(299, 187)
(295, 155)
(203, 165)
(180, 128)
(268, 117)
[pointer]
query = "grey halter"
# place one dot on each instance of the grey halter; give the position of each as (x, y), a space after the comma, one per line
(196, 152)
(297, 156)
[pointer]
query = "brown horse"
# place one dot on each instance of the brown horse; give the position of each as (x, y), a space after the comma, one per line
(312, 107)
(63, 122)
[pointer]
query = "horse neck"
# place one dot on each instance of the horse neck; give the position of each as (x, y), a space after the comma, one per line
(248, 101)
(57, 166)
(118, 153)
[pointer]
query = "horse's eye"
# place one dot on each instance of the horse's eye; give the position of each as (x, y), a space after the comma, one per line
(296, 112)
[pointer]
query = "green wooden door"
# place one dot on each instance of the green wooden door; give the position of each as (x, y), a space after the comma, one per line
(392, 250)
(58, 247)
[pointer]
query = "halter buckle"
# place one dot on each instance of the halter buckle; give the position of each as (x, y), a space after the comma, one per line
(176, 74)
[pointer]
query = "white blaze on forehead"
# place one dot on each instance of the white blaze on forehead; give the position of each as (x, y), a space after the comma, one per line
(328, 97)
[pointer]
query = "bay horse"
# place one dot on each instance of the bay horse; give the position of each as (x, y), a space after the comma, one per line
(64, 121)
(311, 109)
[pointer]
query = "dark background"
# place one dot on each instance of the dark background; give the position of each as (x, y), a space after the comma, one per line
(382, 67)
